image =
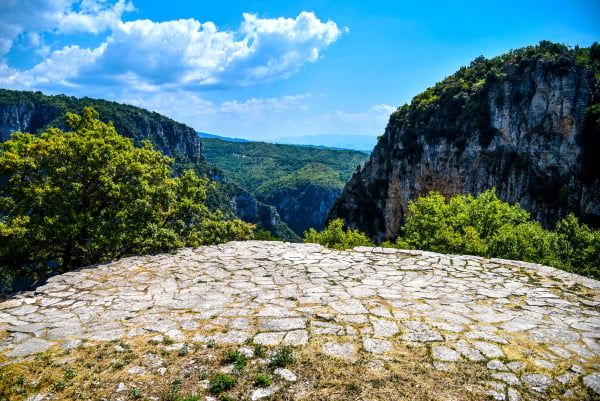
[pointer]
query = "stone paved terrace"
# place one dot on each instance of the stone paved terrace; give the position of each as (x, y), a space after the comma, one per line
(502, 314)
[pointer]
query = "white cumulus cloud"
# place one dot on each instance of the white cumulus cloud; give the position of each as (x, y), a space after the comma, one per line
(151, 56)
(27, 19)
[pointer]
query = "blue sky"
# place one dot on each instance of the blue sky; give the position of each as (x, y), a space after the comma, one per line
(269, 69)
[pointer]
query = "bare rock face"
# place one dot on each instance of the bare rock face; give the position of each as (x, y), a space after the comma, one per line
(523, 129)
(33, 112)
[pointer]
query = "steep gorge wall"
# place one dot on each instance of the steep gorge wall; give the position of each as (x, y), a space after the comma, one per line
(521, 129)
(32, 112)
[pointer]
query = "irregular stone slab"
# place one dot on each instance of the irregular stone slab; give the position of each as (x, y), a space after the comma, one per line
(471, 354)
(286, 374)
(282, 324)
(445, 354)
(441, 366)
(320, 328)
(175, 335)
(384, 328)
(593, 382)
(515, 326)
(580, 350)
(381, 312)
(492, 317)
(495, 364)
(108, 335)
(537, 380)
(344, 350)
(514, 366)
(276, 311)
(31, 346)
(566, 378)
(61, 333)
(362, 291)
(560, 352)
(513, 395)
(71, 344)
(37, 397)
(509, 378)
(455, 328)
(268, 338)
(263, 393)
(349, 307)
(28, 328)
(234, 337)
(376, 346)
(487, 336)
(297, 337)
(162, 326)
(544, 364)
(489, 350)
(357, 319)
(553, 336)
(423, 336)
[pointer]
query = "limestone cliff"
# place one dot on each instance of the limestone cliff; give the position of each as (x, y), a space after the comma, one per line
(525, 122)
(33, 112)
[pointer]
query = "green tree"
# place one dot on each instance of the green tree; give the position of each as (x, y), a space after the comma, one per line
(69, 199)
(335, 237)
(488, 227)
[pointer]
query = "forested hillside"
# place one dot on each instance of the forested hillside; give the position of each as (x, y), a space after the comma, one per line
(34, 112)
(301, 182)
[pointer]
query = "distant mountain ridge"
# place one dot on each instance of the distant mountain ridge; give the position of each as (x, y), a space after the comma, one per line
(363, 143)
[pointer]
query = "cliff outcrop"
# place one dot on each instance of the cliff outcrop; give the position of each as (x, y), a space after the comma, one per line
(525, 123)
(33, 112)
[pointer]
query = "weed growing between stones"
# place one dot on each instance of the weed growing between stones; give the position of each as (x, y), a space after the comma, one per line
(400, 373)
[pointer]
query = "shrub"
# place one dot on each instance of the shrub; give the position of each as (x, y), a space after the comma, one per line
(488, 227)
(335, 237)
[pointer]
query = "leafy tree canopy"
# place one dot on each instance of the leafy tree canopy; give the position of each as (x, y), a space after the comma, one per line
(70, 199)
(488, 227)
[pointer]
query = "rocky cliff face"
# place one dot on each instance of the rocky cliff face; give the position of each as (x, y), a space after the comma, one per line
(33, 112)
(305, 208)
(522, 123)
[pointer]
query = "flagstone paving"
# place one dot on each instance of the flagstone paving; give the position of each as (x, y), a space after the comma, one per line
(497, 312)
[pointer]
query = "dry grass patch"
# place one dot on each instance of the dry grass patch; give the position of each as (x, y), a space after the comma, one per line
(137, 368)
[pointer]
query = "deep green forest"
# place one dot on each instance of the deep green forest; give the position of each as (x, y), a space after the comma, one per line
(252, 164)
(300, 181)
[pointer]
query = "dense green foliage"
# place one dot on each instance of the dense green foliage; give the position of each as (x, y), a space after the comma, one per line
(488, 227)
(335, 237)
(70, 199)
(173, 139)
(129, 121)
(252, 164)
(297, 180)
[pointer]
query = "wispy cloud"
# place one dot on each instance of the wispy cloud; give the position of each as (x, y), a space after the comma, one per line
(150, 56)
(262, 118)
